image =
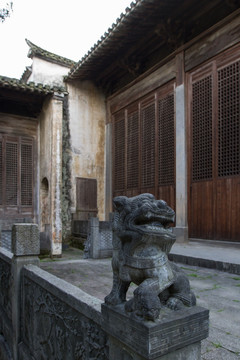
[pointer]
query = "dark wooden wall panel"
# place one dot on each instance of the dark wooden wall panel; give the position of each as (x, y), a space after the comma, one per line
(202, 208)
(167, 193)
(86, 198)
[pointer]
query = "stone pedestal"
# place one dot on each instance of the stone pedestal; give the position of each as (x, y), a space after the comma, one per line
(94, 225)
(25, 249)
(176, 335)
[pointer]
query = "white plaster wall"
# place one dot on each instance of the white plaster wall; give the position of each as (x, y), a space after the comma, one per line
(87, 131)
(47, 73)
(51, 168)
(45, 160)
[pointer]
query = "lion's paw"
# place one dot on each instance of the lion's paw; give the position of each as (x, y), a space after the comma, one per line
(174, 304)
(113, 299)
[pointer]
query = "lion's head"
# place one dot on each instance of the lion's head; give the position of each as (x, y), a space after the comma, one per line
(143, 214)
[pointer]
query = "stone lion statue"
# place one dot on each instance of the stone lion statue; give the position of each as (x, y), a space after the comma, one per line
(142, 239)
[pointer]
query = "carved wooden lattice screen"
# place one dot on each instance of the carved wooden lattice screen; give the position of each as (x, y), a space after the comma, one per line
(214, 206)
(229, 120)
(144, 147)
(16, 172)
(11, 173)
(132, 149)
(166, 139)
(148, 146)
(26, 174)
(202, 129)
(119, 151)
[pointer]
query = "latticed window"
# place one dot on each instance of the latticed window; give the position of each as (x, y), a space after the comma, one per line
(11, 161)
(119, 151)
(229, 120)
(132, 149)
(26, 174)
(202, 129)
(166, 138)
(216, 123)
(16, 171)
(214, 159)
(148, 145)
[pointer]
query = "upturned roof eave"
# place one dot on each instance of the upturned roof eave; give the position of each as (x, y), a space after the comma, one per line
(37, 51)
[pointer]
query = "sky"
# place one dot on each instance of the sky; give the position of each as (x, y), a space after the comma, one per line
(67, 28)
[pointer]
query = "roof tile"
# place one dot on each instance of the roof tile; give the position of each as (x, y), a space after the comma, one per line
(11, 83)
(44, 54)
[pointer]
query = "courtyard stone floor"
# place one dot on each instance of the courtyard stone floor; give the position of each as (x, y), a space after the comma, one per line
(215, 290)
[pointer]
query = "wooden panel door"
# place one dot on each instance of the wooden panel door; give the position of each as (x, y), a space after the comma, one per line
(201, 186)
(227, 214)
(86, 198)
(214, 157)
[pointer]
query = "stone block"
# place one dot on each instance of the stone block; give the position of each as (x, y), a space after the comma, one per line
(172, 333)
(25, 239)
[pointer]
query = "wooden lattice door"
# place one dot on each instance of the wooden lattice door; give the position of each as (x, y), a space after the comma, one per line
(214, 194)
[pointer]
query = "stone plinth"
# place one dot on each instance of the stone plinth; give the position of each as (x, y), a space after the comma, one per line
(25, 239)
(175, 335)
(25, 249)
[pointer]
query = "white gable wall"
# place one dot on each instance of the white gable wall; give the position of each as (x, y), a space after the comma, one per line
(47, 73)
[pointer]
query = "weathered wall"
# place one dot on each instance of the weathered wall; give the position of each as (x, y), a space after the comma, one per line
(66, 173)
(51, 171)
(87, 115)
(47, 73)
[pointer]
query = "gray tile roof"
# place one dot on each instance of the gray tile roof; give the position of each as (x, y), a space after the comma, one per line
(35, 50)
(21, 86)
(105, 40)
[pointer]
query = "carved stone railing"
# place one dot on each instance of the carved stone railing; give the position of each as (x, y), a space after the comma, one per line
(6, 327)
(44, 317)
(59, 318)
(98, 234)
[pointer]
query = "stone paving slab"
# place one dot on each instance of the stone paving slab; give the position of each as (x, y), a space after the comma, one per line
(216, 290)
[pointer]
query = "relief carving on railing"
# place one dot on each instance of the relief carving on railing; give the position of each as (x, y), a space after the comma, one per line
(5, 288)
(55, 330)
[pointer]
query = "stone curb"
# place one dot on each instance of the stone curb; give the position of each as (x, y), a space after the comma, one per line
(206, 263)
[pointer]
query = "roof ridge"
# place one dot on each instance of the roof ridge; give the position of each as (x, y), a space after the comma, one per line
(106, 35)
(45, 54)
